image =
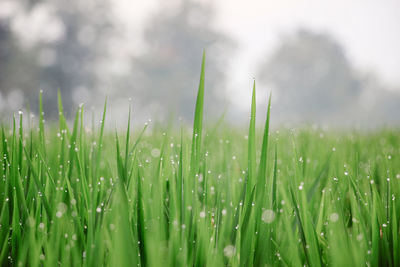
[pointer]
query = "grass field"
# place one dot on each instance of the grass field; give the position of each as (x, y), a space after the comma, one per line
(85, 196)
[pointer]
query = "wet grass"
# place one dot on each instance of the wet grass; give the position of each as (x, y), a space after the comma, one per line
(84, 196)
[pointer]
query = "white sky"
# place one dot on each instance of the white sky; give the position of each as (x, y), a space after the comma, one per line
(368, 29)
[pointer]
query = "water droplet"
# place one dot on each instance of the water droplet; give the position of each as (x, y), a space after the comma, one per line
(268, 216)
(334, 217)
(301, 186)
(155, 152)
(229, 251)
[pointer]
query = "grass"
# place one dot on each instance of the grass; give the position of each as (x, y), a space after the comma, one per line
(83, 196)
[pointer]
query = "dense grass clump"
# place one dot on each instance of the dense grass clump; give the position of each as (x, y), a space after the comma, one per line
(79, 195)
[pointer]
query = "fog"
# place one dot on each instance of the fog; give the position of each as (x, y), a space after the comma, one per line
(89, 50)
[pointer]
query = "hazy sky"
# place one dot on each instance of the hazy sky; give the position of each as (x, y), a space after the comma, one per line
(368, 29)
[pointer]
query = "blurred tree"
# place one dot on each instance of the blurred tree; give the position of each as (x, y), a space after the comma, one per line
(54, 45)
(17, 69)
(70, 63)
(167, 74)
(312, 78)
(6, 46)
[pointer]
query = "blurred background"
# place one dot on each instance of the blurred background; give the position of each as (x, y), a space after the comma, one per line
(330, 63)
